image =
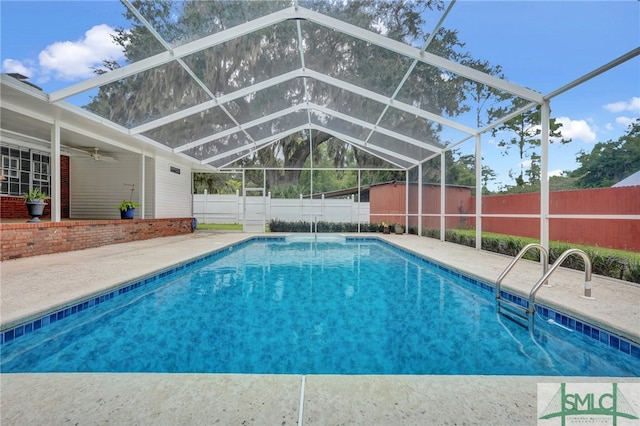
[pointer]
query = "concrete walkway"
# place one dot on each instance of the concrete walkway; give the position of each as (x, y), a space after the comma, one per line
(31, 286)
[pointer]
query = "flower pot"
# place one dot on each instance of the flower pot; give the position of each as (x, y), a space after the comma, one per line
(128, 213)
(399, 229)
(35, 210)
(385, 230)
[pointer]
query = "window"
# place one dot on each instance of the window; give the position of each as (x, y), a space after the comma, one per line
(24, 168)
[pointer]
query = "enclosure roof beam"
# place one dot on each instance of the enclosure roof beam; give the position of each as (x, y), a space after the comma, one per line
(169, 118)
(606, 67)
(297, 74)
(309, 106)
(374, 128)
(177, 52)
(386, 100)
(257, 144)
(285, 77)
(236, 129)
(245, 154)
(362, 144)
(412, 52)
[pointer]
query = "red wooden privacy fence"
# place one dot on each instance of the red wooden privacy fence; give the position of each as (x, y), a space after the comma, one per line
(623, 234)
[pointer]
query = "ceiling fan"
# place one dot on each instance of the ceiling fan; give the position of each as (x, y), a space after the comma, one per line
(95, 154)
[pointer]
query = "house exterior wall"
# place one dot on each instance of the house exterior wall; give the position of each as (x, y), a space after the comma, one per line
(150, 188)
(173, 190)
(98, 187)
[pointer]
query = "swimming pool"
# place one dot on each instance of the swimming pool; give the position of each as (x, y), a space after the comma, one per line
(355, 307)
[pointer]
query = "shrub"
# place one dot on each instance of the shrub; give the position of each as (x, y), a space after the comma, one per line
(607, 262)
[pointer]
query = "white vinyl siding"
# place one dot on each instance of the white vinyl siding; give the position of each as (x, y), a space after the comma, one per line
(96, 188)
(150, 188)
(173, 191)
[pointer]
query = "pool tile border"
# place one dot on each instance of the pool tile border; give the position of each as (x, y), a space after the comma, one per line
(614, 341)
(606, 337)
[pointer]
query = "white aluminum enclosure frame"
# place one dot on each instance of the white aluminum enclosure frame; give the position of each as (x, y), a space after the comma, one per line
(56, 111)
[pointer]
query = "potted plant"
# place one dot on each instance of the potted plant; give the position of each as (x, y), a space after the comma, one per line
(128, 207)
(36, 200)
(385, 228)
(399, 229)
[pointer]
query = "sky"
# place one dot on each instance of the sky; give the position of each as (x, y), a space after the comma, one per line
(542, 45)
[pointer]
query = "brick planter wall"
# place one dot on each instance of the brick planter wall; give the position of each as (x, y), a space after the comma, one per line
(32, 239)
(14, 208)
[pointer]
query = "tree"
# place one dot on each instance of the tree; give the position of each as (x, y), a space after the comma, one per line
(266, 53)
(481, 94)
(526, 132)
(609, 162)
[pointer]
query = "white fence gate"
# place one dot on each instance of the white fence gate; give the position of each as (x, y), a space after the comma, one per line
(259, 210)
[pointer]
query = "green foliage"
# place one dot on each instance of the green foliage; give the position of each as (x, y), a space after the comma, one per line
(607, 262)
(219, 226)
(609, 162)
(301, 226)
(525, 131)
(216, 183)
(35, 194)
(126, 205)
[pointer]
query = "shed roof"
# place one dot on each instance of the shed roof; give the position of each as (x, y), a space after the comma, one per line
(632, 180)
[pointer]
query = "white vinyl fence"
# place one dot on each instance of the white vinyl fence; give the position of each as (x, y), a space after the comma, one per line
(215, 208)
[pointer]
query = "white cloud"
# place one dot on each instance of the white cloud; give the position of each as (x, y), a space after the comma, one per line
(14, 66)
(71, 60)
(576, 129)
(625, 121)
(526, 164)
(608, 126)
(632, 105)
(558, 172)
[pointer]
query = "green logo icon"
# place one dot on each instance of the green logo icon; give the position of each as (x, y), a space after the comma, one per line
(566, 404)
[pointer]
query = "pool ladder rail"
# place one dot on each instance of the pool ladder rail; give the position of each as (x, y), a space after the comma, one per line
(524, 315)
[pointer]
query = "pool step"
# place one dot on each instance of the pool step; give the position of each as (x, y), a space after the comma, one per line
(514, 312)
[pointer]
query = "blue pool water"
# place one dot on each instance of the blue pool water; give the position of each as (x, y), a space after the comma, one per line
(359, 307)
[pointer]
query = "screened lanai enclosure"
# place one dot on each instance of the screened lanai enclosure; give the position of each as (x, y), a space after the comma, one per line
(301, 98)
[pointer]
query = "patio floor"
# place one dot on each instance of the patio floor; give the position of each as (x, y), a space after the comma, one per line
(277, 399)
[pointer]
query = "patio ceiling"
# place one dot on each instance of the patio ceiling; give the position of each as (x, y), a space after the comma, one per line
(211, 128)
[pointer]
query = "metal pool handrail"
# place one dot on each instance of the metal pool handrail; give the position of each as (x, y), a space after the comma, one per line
(563, 256)
(525, 249)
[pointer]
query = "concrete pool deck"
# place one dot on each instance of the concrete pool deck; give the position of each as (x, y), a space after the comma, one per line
(32, 286)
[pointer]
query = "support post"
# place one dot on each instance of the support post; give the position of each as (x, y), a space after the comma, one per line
(443, 186)
(545, 113)
(360, 201)
(143, 185)
(478, 192)
(56, 174)
(244, 202)
(420, 191)
(406, 201)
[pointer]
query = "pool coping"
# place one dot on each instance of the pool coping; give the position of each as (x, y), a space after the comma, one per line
(150, 399)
